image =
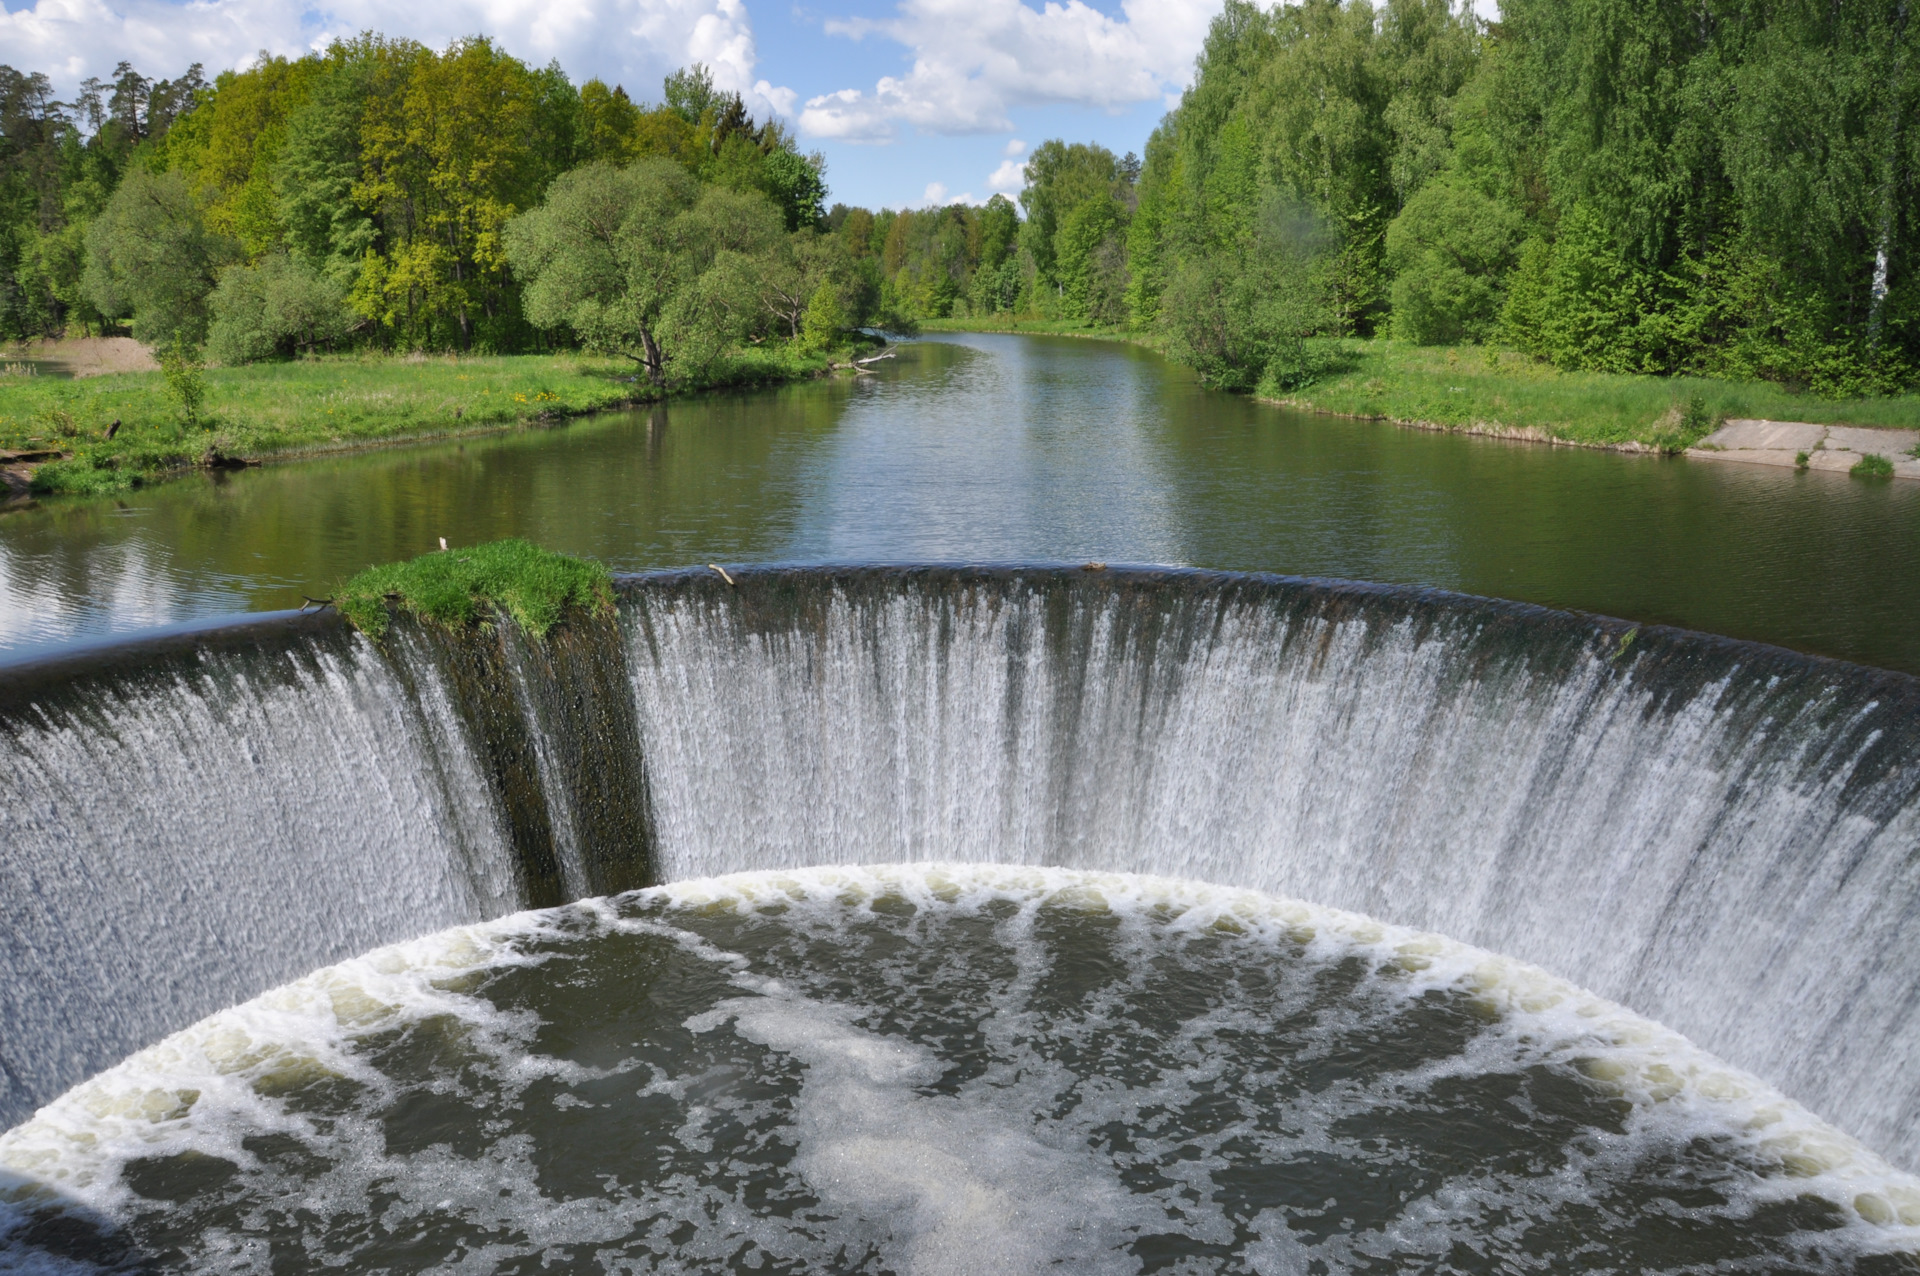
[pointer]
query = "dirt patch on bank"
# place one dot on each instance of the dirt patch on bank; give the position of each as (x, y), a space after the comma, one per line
(86, 356)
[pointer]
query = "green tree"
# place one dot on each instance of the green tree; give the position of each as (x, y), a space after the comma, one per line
(1454, 245)
(1062, 180)
(826, 319)
(275, 307)
(642, 261)
(318, 164)
(150, 256)
(791, 273)
(1242, 317)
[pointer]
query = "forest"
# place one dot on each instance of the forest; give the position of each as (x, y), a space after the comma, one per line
(1719, 188)
(383, 194)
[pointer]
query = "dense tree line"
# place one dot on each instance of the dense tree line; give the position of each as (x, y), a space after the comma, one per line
(368, 194)
(1722, 186)
(1066, 258)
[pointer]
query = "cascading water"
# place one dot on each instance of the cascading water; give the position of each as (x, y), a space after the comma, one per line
(1705, 831)
(1718, 836)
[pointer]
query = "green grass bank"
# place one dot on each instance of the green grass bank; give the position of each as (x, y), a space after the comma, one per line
(452, 587)
(1473, 389)
(1035, 327)
(262, 411)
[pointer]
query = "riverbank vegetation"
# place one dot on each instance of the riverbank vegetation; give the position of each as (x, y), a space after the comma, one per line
(455, 586)
(1724, 192)
(355, 198)
(325, 403)
(1714, 198)
(382, 196)
(284, 235)
(1484, 389)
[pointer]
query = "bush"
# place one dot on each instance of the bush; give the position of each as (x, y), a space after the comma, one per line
(1579, 304)
(180, 365)
(275, 308)
(1449, 249)
(1872, 465)
(826, 319)
(1241, 317)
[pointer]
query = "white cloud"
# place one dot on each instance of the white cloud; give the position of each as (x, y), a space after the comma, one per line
(975, 59)
(778, 100)
(847, 116)
(1010, 178)
(1014, 148)
(936, 196)
(632, 42)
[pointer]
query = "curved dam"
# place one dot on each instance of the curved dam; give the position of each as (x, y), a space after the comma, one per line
(1718, 835)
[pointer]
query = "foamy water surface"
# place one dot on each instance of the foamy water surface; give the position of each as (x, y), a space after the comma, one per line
(938, 1069)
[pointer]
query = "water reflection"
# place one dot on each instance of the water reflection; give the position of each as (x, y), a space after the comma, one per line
(999, 448)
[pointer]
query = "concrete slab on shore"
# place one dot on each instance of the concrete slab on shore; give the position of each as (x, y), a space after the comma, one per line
(1827, 447)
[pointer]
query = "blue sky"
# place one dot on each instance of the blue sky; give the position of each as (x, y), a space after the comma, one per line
(911, 101)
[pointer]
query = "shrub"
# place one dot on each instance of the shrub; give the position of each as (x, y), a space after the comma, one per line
(1872, 465)
(273, 308)
(180, 365)
(1241, 317)
(825, 319)
(1449, 250)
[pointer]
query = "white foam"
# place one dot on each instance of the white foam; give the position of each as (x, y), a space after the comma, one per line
(1003, 1166)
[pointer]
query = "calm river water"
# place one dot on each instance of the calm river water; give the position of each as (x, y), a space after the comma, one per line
(997, 448)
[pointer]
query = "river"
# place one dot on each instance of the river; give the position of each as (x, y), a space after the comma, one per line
(990, 448)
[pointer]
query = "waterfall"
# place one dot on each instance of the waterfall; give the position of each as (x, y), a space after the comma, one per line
(1720, 835)
(193, 820)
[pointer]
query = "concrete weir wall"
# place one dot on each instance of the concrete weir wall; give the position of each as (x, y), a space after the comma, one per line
(1720, 835)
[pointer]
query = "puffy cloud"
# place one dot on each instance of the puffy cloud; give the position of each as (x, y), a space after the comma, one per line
(634, 42)
(975, 59)
(1010, 178)
(937, 196)
(848, 116)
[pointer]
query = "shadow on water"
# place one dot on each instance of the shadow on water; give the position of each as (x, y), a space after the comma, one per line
(42, 1229)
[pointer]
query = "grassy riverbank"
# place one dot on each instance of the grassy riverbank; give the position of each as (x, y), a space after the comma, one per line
(1475, 390)
(1501, 392)
(264, 410)
(1038, 328)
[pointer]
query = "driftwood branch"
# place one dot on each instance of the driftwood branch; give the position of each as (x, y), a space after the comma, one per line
(315, 602)
(859, 365)
(723, 572)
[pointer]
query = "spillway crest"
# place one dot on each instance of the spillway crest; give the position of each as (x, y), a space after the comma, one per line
(1720, 836)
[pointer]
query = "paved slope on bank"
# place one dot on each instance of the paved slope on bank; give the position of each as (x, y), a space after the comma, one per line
(1804, 445)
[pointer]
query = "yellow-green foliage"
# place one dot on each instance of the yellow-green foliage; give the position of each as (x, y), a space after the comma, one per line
(455, 586)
